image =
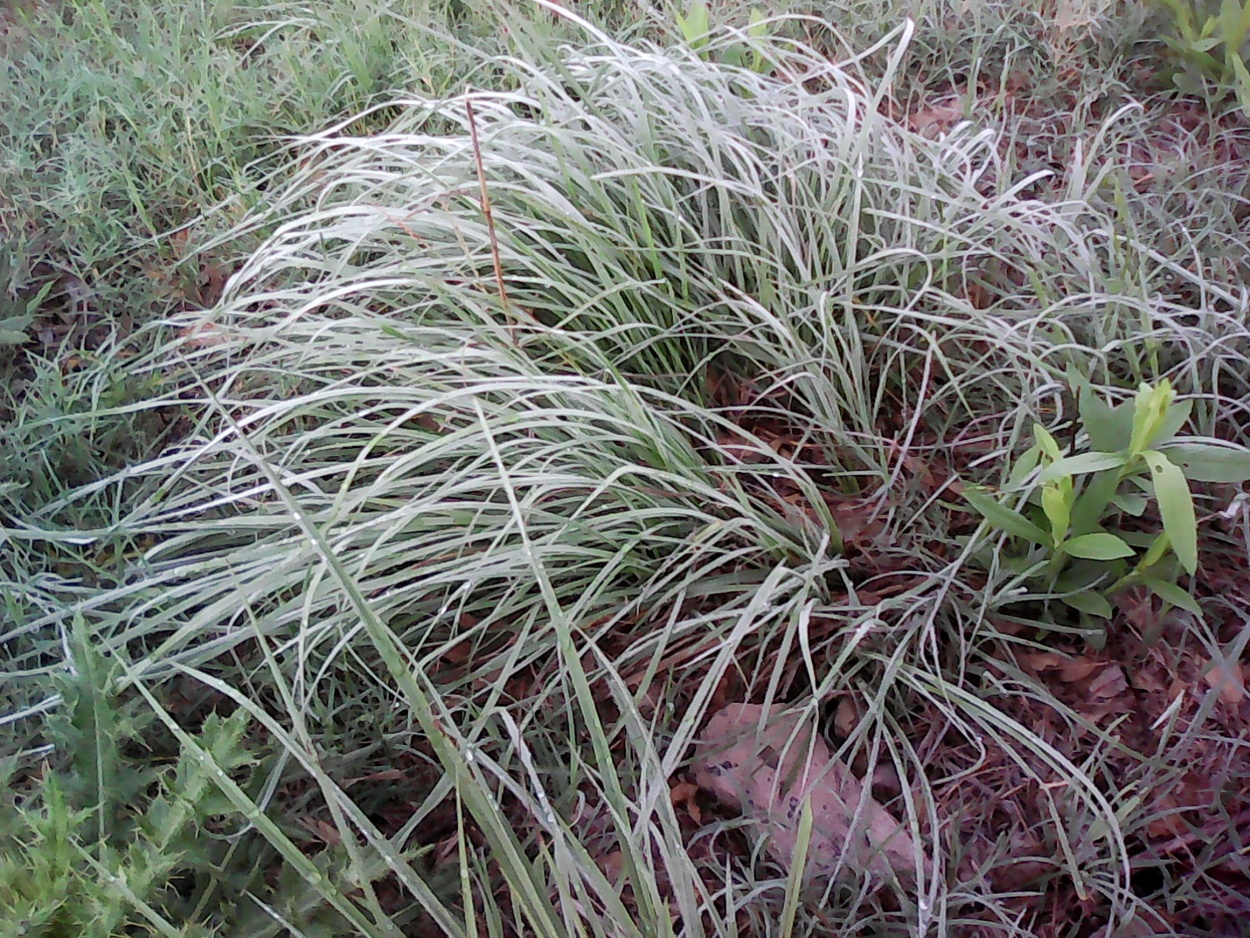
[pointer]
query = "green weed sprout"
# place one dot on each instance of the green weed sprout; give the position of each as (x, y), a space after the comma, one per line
(695, 26)
(1212, 44)
(1133, 457)
(17, 313)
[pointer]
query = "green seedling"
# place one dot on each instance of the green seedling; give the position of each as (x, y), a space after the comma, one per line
(1212, 44)
(696, 30)
(17, 313)
(1075, 507)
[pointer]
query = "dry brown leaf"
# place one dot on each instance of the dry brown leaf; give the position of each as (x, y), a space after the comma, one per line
(769, 773)
(324, 831)
(1138, 606)
(612, 865)
(934, 122)
(1037, 661)
(1228, 678)
(685, 793)
(847, 716)
(1109, 683)
(856, 520)
(205, 335)
(1071, 670)
(739, 449)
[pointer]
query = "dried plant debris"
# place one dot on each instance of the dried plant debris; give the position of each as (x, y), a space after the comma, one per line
(766, 763)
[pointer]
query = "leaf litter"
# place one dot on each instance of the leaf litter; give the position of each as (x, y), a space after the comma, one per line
(768, 763)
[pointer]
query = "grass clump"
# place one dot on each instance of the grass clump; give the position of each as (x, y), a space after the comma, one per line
(132, 136)
(554, 417)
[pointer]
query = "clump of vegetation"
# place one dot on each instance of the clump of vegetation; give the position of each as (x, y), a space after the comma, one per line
(1211, 41)
(1131, 456)
(542, 394)
(109, 839)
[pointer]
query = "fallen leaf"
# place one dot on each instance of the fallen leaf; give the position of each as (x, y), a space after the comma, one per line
(857, 521)
(847, 716)
(934, 122)
(685, 793)
(1228, 678)
(1070, 670)
(770, 773)
(324, 831)
(1109, 683)
(211, 284)
(204, 335)
(612, 865)
(1038, 661)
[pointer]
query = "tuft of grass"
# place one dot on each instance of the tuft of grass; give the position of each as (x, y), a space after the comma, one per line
(476, 514)
(125, 122)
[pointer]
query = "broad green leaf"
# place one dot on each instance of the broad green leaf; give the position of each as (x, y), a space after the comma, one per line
(13, 329)
(1058, 509)
(1176, 506)
(1143, 415)
(1243, 24)
(1081, 463)
(1176, 417)
(1149, 408)
(1092, 503)
(757, 28)
(1100, 545)
(1109, 428)
(1158, 547)
(1006, 519)
(696, 24)
(1210, 462)
(1093, 604)
(1023, 466)
(1171, 593)
(1048, 444)
(1131, 503)
(1243, 79)
(1235, 20)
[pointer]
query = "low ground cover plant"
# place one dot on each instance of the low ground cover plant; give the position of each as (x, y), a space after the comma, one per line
(1132, 456)
(546, 426)
(1212, 42)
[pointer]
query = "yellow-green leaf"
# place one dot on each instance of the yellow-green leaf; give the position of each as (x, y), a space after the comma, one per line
(1171, 593)
(1057, 506)
(1176, 506)
(1092, 604)
(1100, 545)
(1048, 444)
(1006, 519)
(1080, 464)
(1149, 409)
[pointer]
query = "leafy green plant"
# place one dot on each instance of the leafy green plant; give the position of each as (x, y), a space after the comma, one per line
(696, 30)
(109, 838)
(1133, 456)
(17, 313)
(1211, 43)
